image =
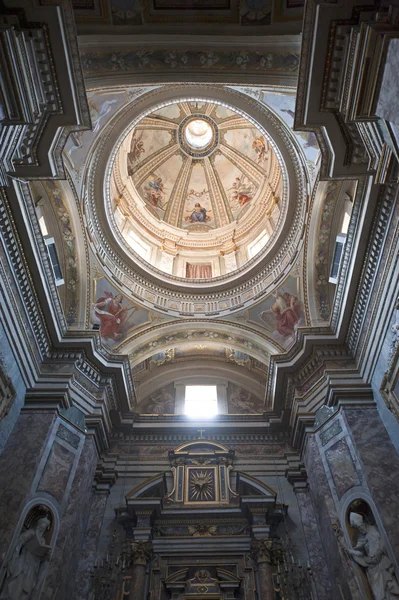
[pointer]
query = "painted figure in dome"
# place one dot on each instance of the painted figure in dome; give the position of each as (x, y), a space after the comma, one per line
(199, 214)
(242, 191)
(136, 150)
(112, 315)
(154, 193)
(287, 310)
(259, 145)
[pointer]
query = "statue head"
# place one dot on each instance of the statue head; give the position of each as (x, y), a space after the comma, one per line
(357, 521)
(43, 524)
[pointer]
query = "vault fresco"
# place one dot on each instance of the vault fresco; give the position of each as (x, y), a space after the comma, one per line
(115, 315)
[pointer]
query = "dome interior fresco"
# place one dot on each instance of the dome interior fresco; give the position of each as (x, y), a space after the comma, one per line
(167, 149)
(196, 189)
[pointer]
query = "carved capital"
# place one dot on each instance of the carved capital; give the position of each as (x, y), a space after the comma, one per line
(262, 551)
(141, 552)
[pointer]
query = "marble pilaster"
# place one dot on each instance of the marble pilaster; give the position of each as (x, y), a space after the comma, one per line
(380, 465)
(88, 556)
(342, 584)
(19, 463)
(64, 563)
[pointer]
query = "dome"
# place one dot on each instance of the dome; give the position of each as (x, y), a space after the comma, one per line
(196, 187)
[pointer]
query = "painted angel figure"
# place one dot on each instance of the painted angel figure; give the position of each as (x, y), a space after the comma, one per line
(242, 190)
(259, 145)
(371, 554)
(287, 311)
(136, 150)
(112, 315)
(155, 192)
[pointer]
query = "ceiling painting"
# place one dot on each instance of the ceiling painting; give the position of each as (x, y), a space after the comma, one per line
(242, 402)
(283, 104)
(139, 352)
(144, 144)
(251, 144)
(158, 186)
(103, 106)
(198, 210)
(240, 190)
(281, 313)
(197, 181)
(200, 351)
(114, 315)
(160, 403)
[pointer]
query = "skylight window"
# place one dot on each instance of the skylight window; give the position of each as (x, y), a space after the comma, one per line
(201, 401)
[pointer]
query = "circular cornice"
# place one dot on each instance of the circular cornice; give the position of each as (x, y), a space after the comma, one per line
(173, 295)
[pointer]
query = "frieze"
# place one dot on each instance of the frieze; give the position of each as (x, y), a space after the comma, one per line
(107, 61)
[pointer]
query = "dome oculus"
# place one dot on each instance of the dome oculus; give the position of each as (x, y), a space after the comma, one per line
(198, 134)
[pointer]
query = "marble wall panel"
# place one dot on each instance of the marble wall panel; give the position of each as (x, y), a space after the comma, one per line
(380, 466)
(64, 563)
(341, 466)
(68, 436)
(88, 556)
(315, 549)
(18, 466)
(56, 472)
(326, 516)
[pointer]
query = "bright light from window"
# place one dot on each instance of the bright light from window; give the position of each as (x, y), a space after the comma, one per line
(138, 245)
(201, 401)
(258, 244)
(345, 223)
(43, 227)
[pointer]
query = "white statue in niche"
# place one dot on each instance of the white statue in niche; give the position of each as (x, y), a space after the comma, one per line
(370, 553)
(23, 569)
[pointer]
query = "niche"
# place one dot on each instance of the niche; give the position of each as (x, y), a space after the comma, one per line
(26, 564)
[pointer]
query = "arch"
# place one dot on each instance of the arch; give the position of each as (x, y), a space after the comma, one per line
(155, 487)
(186, 371)
(160, 337)
(208, 446)
(250, 486)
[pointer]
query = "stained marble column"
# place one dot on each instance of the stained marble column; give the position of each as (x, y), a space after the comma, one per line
(19, 464)
(314, 546)
(141, 554)
(89, 552)
(261, 552)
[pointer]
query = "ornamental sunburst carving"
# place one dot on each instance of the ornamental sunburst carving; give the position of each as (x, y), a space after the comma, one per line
(202, 485)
